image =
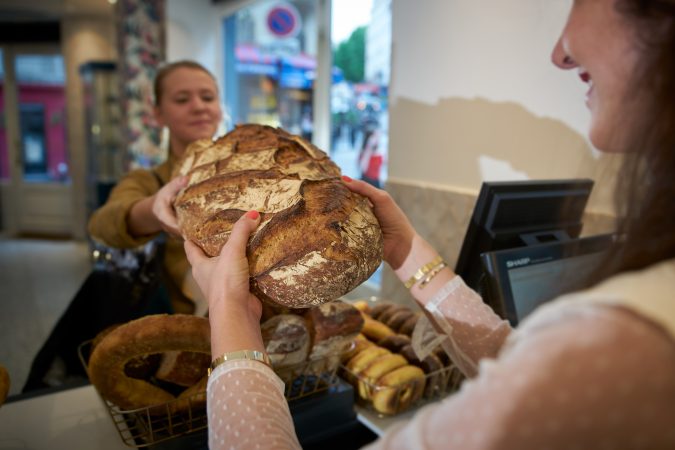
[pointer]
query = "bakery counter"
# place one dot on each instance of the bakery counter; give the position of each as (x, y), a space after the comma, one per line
(73, 418)
(78, 418)
(378, 423)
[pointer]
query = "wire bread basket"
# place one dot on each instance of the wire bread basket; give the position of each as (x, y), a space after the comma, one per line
(153, 424)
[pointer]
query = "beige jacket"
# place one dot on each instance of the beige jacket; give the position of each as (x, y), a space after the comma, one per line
(108, 224)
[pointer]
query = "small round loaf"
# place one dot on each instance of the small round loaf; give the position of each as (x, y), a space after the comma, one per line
(316, 240)
(145, 336)
(332, 327)
(4, 384)
(286, 340)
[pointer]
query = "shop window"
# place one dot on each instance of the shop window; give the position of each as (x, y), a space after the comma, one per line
(41, 93)
(361, 42)
(270, 64)
(270, 59)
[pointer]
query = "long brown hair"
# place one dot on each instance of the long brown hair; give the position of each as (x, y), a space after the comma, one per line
(165, 70)
(646, 183)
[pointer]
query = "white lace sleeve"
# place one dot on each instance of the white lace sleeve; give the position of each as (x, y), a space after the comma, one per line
(594, 377)
(474, 331)
(247, 409)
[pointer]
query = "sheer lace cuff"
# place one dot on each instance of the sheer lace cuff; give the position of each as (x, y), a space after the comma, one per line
(246, 408)
(474, 331)
(236, 364)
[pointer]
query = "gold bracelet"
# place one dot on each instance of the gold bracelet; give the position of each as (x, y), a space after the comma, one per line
(422, 271)
(432, 273)
(253, 355)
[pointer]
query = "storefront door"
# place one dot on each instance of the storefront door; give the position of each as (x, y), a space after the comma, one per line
(34, 164)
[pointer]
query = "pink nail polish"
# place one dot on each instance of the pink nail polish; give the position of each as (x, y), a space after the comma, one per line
(346, 179)
(253, 215)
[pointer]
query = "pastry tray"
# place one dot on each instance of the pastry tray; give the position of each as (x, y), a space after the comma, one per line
(140, 428)
(437, 384)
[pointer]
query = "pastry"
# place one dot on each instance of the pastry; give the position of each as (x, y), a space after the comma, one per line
(375, 330)
(397, 390)
(145, 336)
(375, 369)
(286, 340)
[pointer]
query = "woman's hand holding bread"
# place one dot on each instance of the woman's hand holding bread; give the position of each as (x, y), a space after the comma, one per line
(397, 230)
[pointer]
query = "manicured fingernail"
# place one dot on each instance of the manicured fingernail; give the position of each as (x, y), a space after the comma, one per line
(346, 179)
(253, 215)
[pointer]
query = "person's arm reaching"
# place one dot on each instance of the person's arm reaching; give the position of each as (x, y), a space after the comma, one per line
(137, 209)
(246, 403)
(473, 329)
(155, 213)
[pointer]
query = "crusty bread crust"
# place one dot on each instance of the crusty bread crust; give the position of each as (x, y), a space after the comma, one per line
(317, 240)
(286, 340)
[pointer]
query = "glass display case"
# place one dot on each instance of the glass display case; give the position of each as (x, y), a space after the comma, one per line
(103, 129)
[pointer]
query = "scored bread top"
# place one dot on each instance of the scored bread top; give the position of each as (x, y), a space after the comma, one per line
(316, 240)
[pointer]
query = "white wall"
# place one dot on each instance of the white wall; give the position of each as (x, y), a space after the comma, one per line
(194, 31)
(474, 96)
(486, 48)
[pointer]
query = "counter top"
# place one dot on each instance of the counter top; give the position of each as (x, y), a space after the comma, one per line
(378, 423)
(74, 418)
(78, 418)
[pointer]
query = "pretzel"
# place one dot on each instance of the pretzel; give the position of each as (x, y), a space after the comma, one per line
(148, 335)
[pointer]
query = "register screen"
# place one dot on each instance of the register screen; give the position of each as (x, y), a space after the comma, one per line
(536, 283)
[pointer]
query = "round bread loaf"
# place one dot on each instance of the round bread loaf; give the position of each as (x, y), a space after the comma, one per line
(287, 340)
(332, 327)
(316, 240)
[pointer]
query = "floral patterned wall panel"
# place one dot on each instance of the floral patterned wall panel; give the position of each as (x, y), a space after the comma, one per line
(141, 40)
